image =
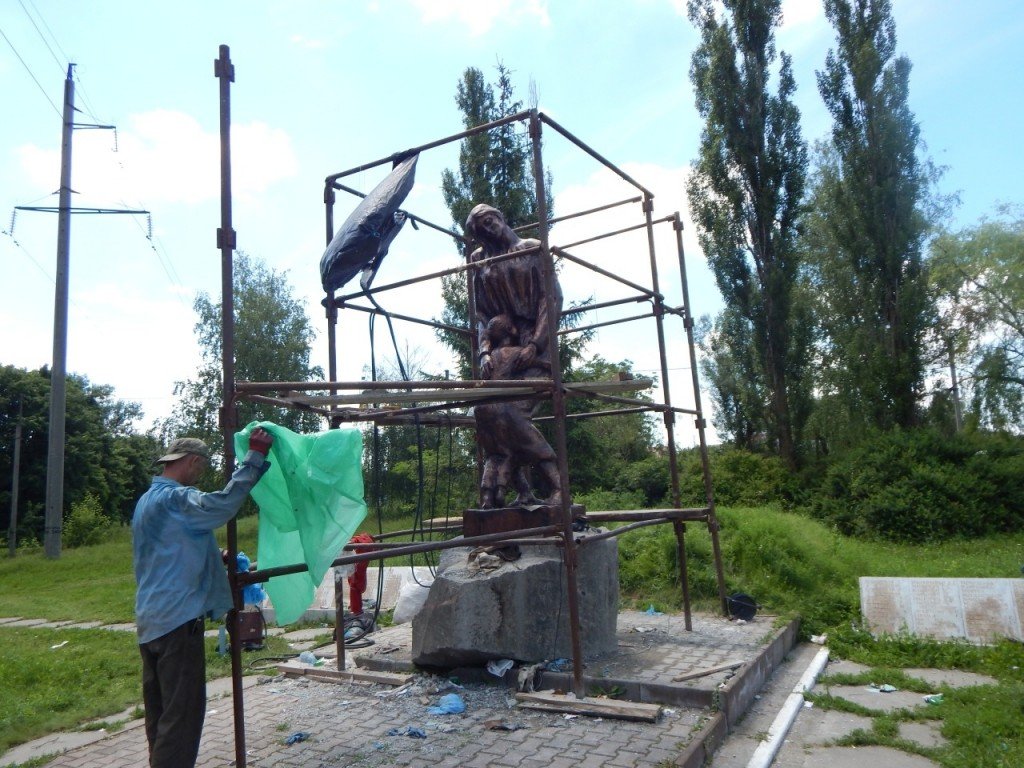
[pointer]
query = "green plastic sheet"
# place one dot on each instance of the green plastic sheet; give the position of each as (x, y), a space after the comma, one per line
(311, 502)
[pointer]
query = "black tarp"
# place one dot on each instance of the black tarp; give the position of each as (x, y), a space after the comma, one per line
(362, 242)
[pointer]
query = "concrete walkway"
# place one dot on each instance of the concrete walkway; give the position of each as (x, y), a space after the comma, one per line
(810, 741)
(363, 724)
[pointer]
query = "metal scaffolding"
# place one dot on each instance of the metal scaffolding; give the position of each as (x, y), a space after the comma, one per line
(403, 402)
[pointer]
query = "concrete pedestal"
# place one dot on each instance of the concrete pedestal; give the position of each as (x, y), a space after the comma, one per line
(517, 610)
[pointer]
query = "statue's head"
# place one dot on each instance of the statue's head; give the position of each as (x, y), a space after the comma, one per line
(479, 223)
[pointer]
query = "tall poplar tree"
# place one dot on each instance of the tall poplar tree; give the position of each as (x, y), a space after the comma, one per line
(495, 167)
(745, 196)
(870, 225)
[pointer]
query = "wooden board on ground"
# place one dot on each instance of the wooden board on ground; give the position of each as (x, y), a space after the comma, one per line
(709, 671)
(331, 675)
(562, 702)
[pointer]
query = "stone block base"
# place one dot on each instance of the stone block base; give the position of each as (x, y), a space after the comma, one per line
(517, 610)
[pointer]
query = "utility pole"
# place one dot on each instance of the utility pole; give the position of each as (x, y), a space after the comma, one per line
(12, 530)
(58, 397)
(58, 370)
(955, 389)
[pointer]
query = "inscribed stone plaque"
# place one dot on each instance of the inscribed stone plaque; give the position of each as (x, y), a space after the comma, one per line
(978, 610)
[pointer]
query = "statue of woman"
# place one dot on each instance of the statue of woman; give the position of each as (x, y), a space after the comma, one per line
(513, 321)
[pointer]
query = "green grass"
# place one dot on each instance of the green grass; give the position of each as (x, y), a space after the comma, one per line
(982, 723)
(96, 674)
(793, 565)
(44, 690)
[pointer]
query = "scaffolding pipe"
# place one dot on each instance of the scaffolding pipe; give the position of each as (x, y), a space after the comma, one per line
(578, 214)
(558, 408)
(265, 574)
(604, 272)
(399, 156)
(613, 168)
(439, 273)
(700, 422)
(613, 233)
(224, 71)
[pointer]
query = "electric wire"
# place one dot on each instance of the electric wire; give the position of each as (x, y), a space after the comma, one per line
(50, 31)
(24, 250)
(32, 75)
(60, 65)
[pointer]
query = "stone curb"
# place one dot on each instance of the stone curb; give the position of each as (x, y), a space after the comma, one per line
(736, 695)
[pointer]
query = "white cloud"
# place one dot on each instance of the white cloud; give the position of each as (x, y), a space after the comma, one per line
(313, 44)
(145, 357)
(797, 13)
(479, 17)
(627, 255)
(165, 156)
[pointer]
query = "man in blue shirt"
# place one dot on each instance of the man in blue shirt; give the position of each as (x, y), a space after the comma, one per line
(181, 580)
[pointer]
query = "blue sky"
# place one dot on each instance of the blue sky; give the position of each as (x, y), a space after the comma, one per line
(324, 86)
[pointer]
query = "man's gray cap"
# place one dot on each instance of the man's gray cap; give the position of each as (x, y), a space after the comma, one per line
(182, 447)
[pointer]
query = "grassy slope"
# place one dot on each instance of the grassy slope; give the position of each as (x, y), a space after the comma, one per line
(793, 565)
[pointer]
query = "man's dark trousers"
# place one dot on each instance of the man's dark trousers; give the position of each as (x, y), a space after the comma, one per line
(174, 693)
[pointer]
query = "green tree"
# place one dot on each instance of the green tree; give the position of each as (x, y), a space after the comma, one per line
(870, 199)
(734, 377)
(601, 449)
(978, 276)
(272, 343)
(496, 168)
(103, 458)
(745, 194)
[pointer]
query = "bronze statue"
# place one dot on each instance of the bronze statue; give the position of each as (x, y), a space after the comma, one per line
(512, 332)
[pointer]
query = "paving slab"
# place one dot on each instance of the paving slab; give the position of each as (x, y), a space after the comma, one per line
(9, 619)
(844, 667)
(954, 678)
(874, 699)
(925, 734)
(126, 627)
(307, 634)
(25, 623)
(849, 757)
(54, 744)
(652, 650)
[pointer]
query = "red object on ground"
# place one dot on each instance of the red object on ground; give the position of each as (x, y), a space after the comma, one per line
(357, 581)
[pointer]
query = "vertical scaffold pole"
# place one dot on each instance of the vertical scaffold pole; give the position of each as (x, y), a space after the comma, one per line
(700, 421)
(670, 418)
(558, 409)
(224, 71)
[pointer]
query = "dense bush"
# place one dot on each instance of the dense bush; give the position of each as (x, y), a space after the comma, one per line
(917, 486)
(739, 478)
(86, 524)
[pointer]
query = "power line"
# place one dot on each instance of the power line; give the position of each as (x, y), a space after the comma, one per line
(30, 74)
(60, 64)
(52, 36)
(24, 250)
